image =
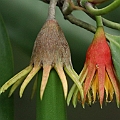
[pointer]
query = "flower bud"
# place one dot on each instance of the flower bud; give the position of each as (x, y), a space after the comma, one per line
(97, 1)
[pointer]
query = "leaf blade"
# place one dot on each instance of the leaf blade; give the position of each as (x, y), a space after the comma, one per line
(115, 51)
(6, 71)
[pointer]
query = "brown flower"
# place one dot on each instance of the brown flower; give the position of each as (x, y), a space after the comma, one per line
(50, 50)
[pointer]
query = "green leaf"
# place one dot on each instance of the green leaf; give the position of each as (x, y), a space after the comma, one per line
(53, 104)
(115, 50)
(6, 71)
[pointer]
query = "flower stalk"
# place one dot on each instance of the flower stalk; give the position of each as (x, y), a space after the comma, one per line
(99, 21)
(51, 11)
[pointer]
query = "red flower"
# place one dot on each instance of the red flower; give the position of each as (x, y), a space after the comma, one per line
(97, 1)
(98, 75)
(100, 70)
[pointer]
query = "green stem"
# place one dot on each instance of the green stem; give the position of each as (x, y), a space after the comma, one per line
(111, 24)
(53, 104)
(99, 21)
(93, 11)
(80, 23)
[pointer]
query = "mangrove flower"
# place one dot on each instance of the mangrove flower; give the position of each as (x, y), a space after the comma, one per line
(98, 74)
(94, 2)
(50, 50)
(97, 1)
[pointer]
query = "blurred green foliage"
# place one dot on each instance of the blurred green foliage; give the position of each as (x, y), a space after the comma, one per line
(23, 20)
(53, 105)
(6, 71)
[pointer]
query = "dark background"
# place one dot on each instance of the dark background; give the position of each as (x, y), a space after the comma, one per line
(23, 20)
